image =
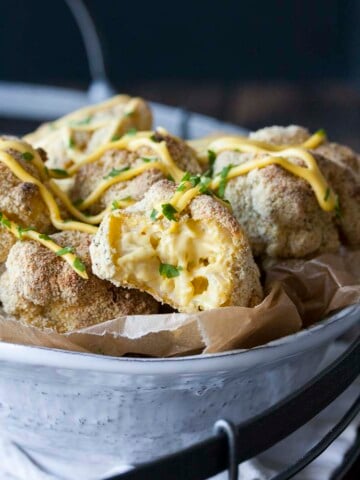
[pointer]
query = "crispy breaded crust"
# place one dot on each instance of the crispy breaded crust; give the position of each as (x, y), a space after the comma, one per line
(90, 175)
(42, 289)
(240, 267)
(278, 210)
(20, 201)
(277, 135)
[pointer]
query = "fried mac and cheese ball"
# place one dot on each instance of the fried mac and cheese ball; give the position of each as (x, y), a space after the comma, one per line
(341, 167)
(80, 133)
(20, 201)
(90, 175)
(39, 288)
(199, 262)
(279, 211)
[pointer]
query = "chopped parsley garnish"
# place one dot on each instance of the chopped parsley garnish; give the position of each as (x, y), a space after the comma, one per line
(204, 184)
(4, 221)
(327, 195)
(169, 211)
(321, 131)
(223, 182)
(181, 187)
(338, 212)
(115, 137)
(153, 214)
(78, 265)
(186, 177)
(43, 236)
(155, 138)
(131, 131)
(65, 250)
(27, 156)
(71, 143)
(59, 172)
(22, 230)
(129, 114)
(171, 178)
(169, 271)
(148, 159)
(115, 172)
(116, 205)
(78, 202)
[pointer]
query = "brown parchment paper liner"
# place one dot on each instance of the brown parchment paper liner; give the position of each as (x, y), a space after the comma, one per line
(299, 293)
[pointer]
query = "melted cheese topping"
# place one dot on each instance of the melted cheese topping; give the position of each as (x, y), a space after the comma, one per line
(20, 233)
(201, 252)
(311, 173)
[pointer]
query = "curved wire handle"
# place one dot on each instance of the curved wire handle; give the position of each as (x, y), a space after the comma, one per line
(100, 87)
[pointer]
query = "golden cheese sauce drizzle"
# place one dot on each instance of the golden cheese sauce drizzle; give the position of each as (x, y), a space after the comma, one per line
(274, 155)
(49, 200)
(21, 233)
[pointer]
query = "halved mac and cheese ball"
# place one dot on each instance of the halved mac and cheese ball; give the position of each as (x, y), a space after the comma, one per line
(39, 288)
(198, 262)
(70, 138)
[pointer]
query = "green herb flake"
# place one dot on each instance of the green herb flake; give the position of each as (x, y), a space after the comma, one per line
(115, 137)
(186, 177)
(132, 131)
(322, 132)
(27, 156)
(154, 138)
(204, 184)
(171, 178)
(129, 114)
(169, 211)
(44, 236)
(338, 212)
(148, 159)
(22, 230)
(327, 195)
(4, 221)
(78, 202)
(194, 180)
(181, 187)
(65, 250)
(169, 271)
(115, 172)
(223, 182)
(59, 172)
(115, 205)
(71, 143)
(153, 214)
(127, 199)
(78, 265)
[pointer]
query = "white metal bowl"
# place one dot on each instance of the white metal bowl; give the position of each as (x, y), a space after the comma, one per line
(73, 409)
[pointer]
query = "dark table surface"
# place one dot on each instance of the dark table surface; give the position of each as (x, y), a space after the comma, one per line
(334, 106)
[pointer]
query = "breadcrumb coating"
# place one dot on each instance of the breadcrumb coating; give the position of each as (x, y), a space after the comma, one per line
(41, 289)
(207, 242)
(20, 201)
